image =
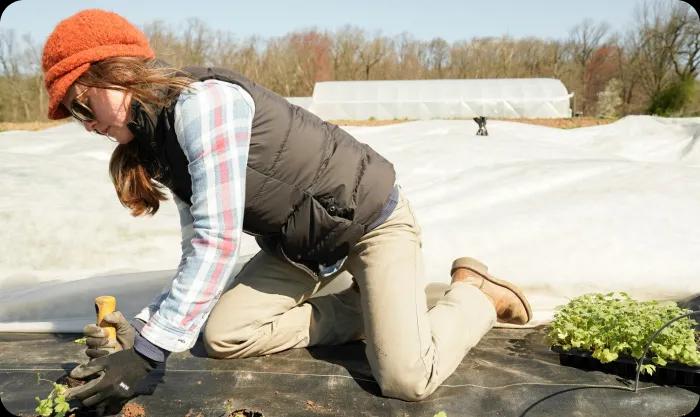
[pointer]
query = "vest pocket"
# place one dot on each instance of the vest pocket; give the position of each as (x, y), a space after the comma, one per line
(317, 232)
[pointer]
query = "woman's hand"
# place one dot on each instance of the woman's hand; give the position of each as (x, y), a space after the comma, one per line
(99, 345)
(110, 378)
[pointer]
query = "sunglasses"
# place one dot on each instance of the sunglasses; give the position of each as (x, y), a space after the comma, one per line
(80, 110)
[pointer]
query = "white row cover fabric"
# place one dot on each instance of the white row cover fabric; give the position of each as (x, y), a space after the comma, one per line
(441, 99)
(559, 212)
(303, 102)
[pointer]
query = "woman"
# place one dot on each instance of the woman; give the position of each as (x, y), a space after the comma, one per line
(239, 158)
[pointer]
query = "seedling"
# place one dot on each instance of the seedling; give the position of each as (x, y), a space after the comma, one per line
(81, 341)
(613, 325)
(228, 406)
(55, 404)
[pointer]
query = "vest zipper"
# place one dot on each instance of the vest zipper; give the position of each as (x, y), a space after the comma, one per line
(299, 266)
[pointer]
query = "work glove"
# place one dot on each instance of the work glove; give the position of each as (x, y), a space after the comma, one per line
(117, 376)
(98, 344)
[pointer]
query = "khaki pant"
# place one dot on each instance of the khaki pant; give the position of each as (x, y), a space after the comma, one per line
(410, 349)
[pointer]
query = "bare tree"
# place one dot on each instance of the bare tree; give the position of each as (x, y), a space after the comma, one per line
(247, 59)
(682, 35)
(224, 49)
(372, 52)
(584, 39)
(665, 45)
(438, 58)
(628, 71)
(163, 41)
(408, 58)
(19, 66)
(9, 65)
(346, 52)
(309, 58)
(196, 42)
(31, 62)
(461, 59)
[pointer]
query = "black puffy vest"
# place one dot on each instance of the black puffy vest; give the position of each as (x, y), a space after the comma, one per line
(311, 188)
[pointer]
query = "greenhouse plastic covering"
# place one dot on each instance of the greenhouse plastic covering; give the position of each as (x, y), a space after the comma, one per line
(441, 99)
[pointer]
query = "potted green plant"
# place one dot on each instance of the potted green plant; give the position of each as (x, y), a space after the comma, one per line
(614, 327)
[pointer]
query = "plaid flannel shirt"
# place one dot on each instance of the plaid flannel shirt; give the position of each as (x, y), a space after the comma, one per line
(213, 125)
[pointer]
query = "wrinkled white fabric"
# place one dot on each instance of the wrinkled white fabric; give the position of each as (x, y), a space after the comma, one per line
(559, 212)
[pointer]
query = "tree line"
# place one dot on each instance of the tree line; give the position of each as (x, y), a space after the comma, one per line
(648, 68)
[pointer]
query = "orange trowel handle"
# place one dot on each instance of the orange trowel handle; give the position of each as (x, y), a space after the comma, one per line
(104, 305)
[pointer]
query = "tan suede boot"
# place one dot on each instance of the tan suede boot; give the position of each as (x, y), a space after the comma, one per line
(510, 302)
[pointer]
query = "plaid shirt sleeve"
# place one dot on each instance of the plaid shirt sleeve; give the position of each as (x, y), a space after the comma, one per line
(213, 126)
(187, 233)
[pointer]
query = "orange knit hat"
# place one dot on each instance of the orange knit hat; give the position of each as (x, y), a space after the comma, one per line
(86, 37)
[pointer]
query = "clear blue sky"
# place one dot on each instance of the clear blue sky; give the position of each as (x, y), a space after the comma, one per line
(425, 19)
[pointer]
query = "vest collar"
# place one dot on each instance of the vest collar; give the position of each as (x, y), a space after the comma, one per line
(144, 127)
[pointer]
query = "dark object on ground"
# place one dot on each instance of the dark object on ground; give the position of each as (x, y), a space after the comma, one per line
(509, 373)
(626, 367)
(245, 413)
(481, 121)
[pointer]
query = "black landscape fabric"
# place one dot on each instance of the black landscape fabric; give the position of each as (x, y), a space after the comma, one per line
(511, 372)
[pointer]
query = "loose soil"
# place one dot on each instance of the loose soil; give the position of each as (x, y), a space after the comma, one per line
(316, 407)
(565, 123)
(133, 410)
(568, 123)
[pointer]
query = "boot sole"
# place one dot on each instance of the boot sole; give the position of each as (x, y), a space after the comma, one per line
(481, 269)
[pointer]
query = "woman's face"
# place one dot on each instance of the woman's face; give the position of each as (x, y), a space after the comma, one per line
(111, 109)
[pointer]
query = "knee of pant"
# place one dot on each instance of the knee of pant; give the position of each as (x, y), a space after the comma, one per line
(230, 346)
(405, 387)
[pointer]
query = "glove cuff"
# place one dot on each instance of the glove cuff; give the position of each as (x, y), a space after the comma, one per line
(137, 324)
(149, 350)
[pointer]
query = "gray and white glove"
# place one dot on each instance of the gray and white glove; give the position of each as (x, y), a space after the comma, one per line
(98, 344)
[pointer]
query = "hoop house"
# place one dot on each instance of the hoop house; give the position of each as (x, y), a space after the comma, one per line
(441, 99)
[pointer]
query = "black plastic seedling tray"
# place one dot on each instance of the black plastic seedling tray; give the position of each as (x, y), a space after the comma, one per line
(626, 367)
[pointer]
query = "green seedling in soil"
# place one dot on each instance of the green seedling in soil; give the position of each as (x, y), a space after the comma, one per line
(613, 325)
(228, 406)
(441, 414)
(81, 341)
(55, 404)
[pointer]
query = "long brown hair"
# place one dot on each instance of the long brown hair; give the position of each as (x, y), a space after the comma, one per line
(152, 85)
